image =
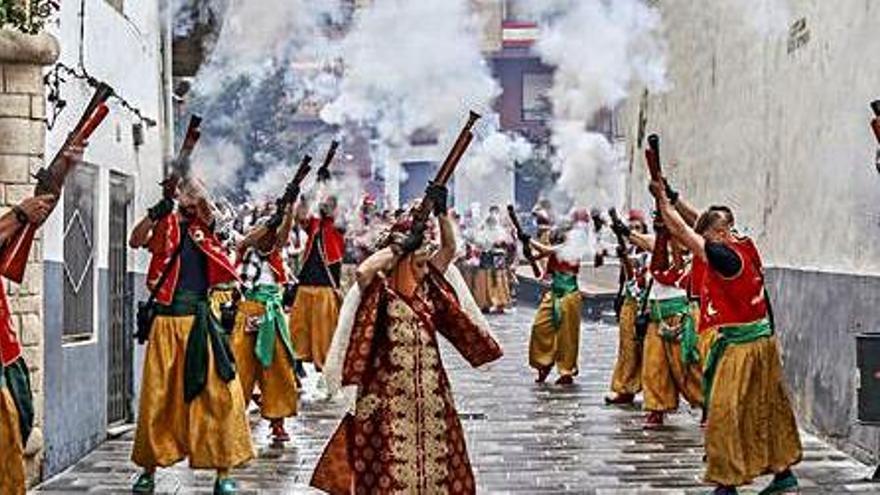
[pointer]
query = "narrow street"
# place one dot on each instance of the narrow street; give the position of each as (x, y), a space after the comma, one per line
(523, 438)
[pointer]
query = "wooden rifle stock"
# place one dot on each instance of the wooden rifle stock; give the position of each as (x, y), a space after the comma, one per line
(526, 247)
(50, 180)
(652, 158)
(302, 171)
(875, 122)
(324, 169)
(628, 268)
(458, 149)
(268, 239)
(180, 169)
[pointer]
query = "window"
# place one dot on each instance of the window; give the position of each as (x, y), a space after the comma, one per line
(79, 252)
(536, 95)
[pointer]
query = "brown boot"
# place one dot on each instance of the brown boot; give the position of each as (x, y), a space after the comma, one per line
(620, 400)
(653, 421)
(279, 434)
(565, 380)
(543, 373)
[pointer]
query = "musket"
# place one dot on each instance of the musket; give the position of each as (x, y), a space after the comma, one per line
(323, 172)
(50, 180)
(875, 122)
(181, 165)
(628, 268)
(526, 247)
(420, 215)
(268, 239)
(652, 158)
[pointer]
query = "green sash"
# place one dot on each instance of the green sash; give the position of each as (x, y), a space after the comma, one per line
(737, 334)
(562, 285)
(660, 310)
(17, 379)
(272, 322)
(205, 329)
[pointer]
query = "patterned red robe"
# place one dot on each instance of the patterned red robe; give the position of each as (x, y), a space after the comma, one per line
(405, 435)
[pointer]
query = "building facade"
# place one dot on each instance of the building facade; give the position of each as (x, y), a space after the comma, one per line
(773, 121)
(90, 279)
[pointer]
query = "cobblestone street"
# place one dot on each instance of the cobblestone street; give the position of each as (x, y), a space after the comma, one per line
(523, 438)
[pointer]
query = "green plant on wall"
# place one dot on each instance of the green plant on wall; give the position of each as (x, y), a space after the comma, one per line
(27, 16)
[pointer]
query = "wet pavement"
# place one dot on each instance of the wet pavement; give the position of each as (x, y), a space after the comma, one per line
(522, 437)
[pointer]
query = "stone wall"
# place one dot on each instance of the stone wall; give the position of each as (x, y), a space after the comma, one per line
(22, 141)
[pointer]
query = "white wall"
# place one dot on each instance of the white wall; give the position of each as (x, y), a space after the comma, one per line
(782, 137)
(124, 51)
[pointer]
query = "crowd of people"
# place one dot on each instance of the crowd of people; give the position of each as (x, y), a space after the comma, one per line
(246, 303)
(695, 322)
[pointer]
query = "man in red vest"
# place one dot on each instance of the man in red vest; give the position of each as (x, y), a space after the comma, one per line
(16, 402)
(261, 338)
(191, 403)
(316, 308)
(751, 427)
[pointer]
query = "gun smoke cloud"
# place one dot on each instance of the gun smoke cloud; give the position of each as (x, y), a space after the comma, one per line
(269, 59)
(595, 67)
(411, 66)
(417, 67)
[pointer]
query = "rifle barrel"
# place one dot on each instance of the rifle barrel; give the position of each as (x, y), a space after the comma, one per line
(331, 153)
(652, 156)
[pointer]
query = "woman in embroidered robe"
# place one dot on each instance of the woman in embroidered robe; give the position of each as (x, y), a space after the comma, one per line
(751, 428)
(404, 435)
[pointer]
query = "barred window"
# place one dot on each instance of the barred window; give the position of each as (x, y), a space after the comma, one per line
(80, 200)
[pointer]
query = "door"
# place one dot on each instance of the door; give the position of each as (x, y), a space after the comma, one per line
(119, 359)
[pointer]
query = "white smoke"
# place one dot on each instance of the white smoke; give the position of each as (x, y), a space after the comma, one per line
(589, 166)
(270, 184)
(599, 49)
(215, 162)
(255, 34)
(412, 66)
(257, 38)
(495, 154)
(579, 244)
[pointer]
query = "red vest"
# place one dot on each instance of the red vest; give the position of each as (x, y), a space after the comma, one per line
(556, 265)
(10, 348)
(163, 244)
(698, 274)
(331, 238)
(276, 263)
(736, 300)
(674, 276)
